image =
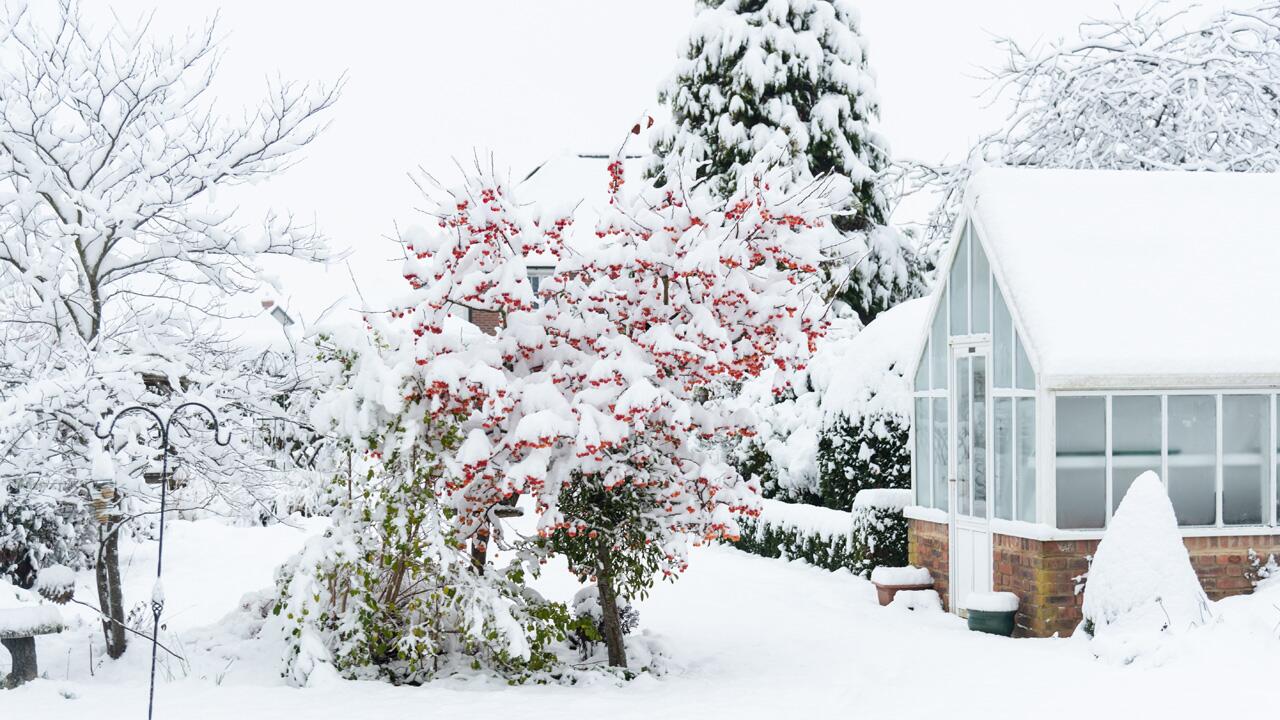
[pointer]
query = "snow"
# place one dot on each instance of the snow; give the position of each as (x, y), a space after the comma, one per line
(1141, 585)
(749, 637)
(909, 575)
(855, 373)
(811, 519)
(32, 620)
(991, 602)
(883, 498)
(56, 578)
(1170, 260)
(917, 600)
(23, 613)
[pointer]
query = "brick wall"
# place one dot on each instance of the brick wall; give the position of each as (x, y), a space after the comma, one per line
(1043, 573)
(1223, 562)
(486, 320)
(927, 548)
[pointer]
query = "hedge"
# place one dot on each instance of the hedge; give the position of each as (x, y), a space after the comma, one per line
(874, 533)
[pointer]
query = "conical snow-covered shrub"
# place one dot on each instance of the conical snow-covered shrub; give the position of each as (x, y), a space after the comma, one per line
(1141, 586)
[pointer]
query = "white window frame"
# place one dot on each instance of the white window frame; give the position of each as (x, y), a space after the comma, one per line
(1269, 514)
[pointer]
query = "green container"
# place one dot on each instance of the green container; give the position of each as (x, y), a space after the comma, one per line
(994, 623)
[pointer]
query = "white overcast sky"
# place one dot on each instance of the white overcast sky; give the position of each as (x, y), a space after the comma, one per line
(434, 80)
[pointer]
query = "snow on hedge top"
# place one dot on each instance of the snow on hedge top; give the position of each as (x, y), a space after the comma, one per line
(1136, 273)
(812, 519)
(883, 498)
(1141, 578)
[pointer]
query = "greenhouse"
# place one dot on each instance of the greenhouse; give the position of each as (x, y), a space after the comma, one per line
(1090, 326)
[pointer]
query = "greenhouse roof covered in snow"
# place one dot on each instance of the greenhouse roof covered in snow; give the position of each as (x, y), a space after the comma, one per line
(1121, 278)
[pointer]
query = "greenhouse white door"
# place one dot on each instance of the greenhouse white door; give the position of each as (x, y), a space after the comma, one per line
(970, 510)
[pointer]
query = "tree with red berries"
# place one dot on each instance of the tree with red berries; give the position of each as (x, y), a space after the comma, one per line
(607, 398)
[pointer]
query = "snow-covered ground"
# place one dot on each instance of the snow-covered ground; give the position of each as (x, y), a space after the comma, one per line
(748, 637)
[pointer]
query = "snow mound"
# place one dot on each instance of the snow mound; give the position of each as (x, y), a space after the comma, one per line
(910, 575)
(992, 602)
(917, 600)
(1141, 586)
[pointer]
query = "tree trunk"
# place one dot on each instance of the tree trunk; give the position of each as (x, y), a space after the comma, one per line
(110, 596)
(480, 548)
(611, 621)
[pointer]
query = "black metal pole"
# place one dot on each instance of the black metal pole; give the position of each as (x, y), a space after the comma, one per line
(157, 598)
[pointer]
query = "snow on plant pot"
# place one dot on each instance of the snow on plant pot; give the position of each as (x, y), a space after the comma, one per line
(890, 580)
(992, 612)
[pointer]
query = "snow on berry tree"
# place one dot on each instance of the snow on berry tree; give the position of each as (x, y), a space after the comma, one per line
(1164, 88)
(444, 414)
(787, 82)
(605, 399)
(685, 297)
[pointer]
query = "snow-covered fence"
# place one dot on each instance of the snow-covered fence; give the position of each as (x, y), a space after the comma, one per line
(873, 534)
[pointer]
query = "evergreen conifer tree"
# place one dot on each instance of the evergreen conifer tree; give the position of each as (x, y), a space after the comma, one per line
(787, 82)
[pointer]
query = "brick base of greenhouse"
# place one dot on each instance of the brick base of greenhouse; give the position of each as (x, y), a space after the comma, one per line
(1044, 573)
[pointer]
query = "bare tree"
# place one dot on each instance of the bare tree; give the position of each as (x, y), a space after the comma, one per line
(1161, 89)
(112, 249)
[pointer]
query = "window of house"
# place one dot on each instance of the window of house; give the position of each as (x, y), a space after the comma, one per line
(923, 457)
(536, 275)
(1246, 465)
(1213, 452)
(1081, 462)
(980, 287)
(958, 287)
(1135, 441)
(1025, 458)
(1193, 453)
(1003, 439)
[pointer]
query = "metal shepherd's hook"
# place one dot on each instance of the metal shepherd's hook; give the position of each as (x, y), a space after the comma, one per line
(163, 425)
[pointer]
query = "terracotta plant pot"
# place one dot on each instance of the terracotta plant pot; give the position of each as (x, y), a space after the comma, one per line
(885, 593)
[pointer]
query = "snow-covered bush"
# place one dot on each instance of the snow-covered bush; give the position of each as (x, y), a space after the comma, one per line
(879, 529)
(588, 621)
(872, 453)
(1141, 587)
(388, 592)
(844, 426)
(604, 397)
(816, 535)
(1262, 572)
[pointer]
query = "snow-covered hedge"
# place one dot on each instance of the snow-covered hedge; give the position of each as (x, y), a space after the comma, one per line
(817, 535)
(846, 429)
(879, 529)
(872, 535)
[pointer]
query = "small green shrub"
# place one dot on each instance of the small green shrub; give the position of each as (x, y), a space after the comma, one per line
(879, 530)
